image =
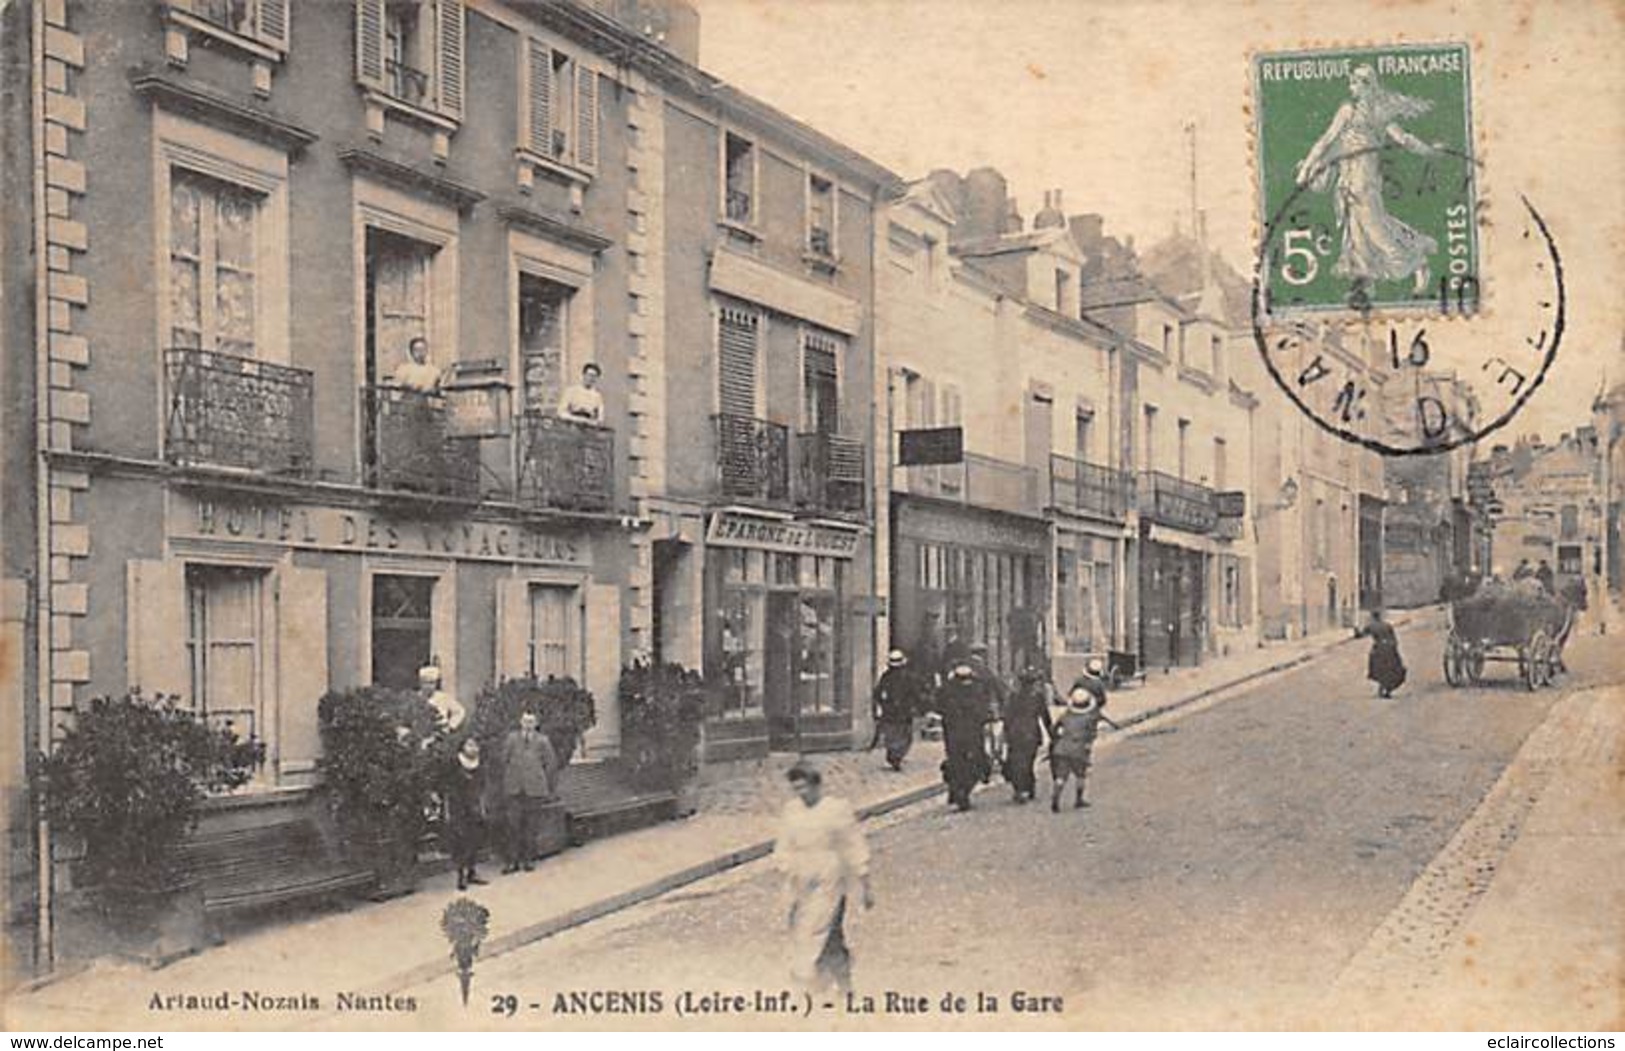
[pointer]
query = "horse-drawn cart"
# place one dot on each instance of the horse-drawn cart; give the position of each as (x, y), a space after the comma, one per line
(1517, 623)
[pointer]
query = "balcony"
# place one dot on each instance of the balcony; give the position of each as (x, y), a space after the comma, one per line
(1171, 501)
(407, 83)
(226, 411)
(753, 458)
(236, 16)
(979, 481)
(409, 447)
(830, 473)
(1077, 485)
(566, 464)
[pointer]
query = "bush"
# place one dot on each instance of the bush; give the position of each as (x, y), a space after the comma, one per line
(129, 778)
(564, 712)
(379, 777)
(662, 707)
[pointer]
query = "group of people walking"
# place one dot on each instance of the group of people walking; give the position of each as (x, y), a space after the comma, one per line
(987, 727)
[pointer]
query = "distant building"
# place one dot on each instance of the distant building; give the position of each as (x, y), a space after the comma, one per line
(1548, 503)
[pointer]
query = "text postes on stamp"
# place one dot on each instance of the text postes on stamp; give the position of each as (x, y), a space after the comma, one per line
(1366, 177)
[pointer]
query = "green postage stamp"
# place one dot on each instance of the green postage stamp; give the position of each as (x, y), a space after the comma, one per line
(1366, 180)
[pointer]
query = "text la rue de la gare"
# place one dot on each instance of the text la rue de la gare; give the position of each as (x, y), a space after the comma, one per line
(889, 1002)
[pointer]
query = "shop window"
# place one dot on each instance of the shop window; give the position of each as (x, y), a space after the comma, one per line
(402, 628)
(555, 632)
(742, 631)
(212, 265)
(225, 643)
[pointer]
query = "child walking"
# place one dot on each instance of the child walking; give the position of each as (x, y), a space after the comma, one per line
(1074, 738)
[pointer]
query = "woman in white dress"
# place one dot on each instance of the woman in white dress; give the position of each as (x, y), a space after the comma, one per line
(1345, 160)
(825, 860)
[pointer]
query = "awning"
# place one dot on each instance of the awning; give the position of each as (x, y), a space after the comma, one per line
(1179, 538)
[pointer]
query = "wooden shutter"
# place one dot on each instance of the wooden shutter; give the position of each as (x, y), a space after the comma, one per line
(449, 54)
(539, 97)
(586, 117)
(820, 385)
(271, 23)
(155, 628)
(603, 667)
(737, 361)
(301, 647)
(513, 628)
(369, 43)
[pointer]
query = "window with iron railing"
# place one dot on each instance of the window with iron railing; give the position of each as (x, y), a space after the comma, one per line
(243, 22)
(738, 179)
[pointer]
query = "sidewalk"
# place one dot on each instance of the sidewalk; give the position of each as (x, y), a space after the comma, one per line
(1519, 924)
(398, 944)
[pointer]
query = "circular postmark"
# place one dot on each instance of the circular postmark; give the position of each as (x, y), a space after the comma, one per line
(1416, 381)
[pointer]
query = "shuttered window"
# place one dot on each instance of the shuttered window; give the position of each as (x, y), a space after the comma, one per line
(558, 100)
(820, 383)
(736, 343)
(225, 633)
(413, 51)
(555, 625)
(263, 21)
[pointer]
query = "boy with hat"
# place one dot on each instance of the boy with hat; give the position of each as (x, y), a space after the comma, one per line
(1073, 742)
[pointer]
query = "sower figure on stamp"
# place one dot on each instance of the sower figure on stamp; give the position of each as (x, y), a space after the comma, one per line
(964, 703)
(1346, 160)
(897, 700)
(528, 769)
(825, 860)
(1027, 724)
(1073, 744)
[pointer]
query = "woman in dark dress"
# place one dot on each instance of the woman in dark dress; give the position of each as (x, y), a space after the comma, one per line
(464, 793)
(963, 704)
(1027, 724)
(1384, 667)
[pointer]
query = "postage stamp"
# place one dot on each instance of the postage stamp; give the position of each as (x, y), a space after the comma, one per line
(1366, 176)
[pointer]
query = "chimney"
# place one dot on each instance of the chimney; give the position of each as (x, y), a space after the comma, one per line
(1051, 217)
(1012, 218)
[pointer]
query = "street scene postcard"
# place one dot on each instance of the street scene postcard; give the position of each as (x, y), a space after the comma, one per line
(807, 515)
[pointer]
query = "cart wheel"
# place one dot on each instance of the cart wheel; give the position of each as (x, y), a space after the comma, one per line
(1454, 671)
(1473, 663)
(1529, 662)
(1545, 658)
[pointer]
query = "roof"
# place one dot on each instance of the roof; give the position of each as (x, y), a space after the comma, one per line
(1003, 244)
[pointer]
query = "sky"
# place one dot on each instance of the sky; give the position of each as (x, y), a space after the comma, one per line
(1092, 98)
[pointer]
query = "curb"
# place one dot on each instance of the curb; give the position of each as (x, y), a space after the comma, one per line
(556, 925)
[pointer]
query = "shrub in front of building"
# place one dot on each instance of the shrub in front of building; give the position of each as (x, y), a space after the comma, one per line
(127, 781)
(662, 708)
(378, 769)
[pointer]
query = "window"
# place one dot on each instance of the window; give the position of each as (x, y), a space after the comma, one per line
(1168, 341)
(1063, 292)
(1184, 449)
(1083, 423)
(555, 632)
(1320, 534)
(402, 628)
(820, 383)
(399, 295)
(244, 22)
(743, 632)
(543, 328)
(1149, 446)
(225, 635)
(410, 52)
(1569, 521)
(1216, 364)
(1234, 607)
(737, 331)
(1221, 465)
(919, 401)
(212, 302)
(559, 107)
(820, 216)
(738, 179)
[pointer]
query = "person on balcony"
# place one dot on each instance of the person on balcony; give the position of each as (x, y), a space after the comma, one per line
(583, 402)
(417, 373)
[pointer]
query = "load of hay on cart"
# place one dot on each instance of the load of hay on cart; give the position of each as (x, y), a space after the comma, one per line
(1515, 623)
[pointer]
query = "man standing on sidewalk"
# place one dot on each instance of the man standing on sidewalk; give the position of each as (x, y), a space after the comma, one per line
(897, 700)
(528, 769)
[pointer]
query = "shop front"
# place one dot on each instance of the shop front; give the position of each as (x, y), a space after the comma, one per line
(1089, 597)
(777, 637)
(963, 576)
(1173, 576)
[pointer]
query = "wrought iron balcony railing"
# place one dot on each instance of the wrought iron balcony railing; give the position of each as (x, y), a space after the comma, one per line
(830, 472)
(407, 83)
(753, 458)
(820, 242)
(980, 481)
(1077, 485)
(227, 411)
(1171, 501)
(737, 206)
(235, 15)
(409, 449)
(566, 464)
